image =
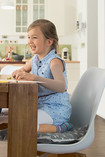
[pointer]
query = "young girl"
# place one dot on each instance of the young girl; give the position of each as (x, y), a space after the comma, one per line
(54, 110)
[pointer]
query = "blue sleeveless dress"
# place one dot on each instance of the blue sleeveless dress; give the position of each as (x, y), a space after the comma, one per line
(55, 104)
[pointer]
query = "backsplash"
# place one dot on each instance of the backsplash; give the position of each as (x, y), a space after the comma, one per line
(21, 48)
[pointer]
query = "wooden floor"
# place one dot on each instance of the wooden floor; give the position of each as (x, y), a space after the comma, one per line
(97, 149)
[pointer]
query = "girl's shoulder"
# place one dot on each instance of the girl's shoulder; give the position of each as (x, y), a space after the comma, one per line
(56, 58)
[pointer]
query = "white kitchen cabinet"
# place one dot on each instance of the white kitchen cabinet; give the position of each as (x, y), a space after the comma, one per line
(54, 11)
(28, 11)
(62, 13)
(21, 15)
(48, 9)
(15, 22)
(73, 75)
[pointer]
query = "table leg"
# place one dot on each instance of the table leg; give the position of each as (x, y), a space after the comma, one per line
(22, 120)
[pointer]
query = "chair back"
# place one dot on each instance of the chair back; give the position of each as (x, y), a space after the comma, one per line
(86, 96)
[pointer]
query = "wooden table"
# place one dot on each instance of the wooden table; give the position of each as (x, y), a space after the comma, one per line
(22, 100)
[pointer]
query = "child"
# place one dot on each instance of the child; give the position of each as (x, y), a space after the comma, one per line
(54, 110)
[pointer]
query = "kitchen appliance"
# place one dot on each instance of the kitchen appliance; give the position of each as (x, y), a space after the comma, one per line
(65, 53)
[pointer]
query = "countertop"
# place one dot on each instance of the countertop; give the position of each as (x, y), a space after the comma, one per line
(70, 61)
(25, 61)
(66, 61)
(10, 62)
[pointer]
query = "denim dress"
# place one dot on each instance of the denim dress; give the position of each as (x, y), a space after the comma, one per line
(57, 105)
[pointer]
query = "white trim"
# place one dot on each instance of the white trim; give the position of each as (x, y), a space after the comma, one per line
(101, 33)
(92, 33)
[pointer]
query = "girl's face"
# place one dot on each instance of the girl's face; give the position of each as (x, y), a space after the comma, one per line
(38, 43)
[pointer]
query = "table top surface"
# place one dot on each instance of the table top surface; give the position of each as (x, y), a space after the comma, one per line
(9, 79)
(5, 77)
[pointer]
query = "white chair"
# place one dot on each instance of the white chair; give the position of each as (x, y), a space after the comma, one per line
(8, 69)
(84, 100)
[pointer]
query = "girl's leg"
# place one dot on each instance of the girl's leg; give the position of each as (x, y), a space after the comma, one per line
(45, 123)
(47, 128)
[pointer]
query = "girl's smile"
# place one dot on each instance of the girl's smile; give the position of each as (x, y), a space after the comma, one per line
(38, 43)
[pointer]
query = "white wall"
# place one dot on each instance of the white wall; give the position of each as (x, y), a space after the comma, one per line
(82, 51)
(101, 33)
(101, 49)
(92, 33)
(76, 9)
(63, 14)
(55, 12)
(96, 40)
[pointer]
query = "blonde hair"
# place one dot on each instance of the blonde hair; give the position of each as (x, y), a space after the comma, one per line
(48, 29)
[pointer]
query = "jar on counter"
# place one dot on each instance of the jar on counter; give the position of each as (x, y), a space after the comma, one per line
(10, 54)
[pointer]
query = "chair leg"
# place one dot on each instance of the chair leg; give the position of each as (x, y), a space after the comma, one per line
(40, 154)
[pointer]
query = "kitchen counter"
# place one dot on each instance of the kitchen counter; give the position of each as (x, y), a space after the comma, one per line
(10, 62)
(70, 61)
(66, 61)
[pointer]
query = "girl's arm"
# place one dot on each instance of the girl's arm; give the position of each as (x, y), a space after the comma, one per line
(27, 67)
(57, 84)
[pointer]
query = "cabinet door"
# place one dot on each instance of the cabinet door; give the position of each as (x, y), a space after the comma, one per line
(53, 10)
(28, 11)
(21, 15)
(38, 9)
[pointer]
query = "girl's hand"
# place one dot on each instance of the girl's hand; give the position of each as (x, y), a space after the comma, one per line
(15, 73)
(22, 75)
(26, 68)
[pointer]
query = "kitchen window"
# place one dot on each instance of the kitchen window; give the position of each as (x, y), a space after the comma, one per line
(28, 11)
